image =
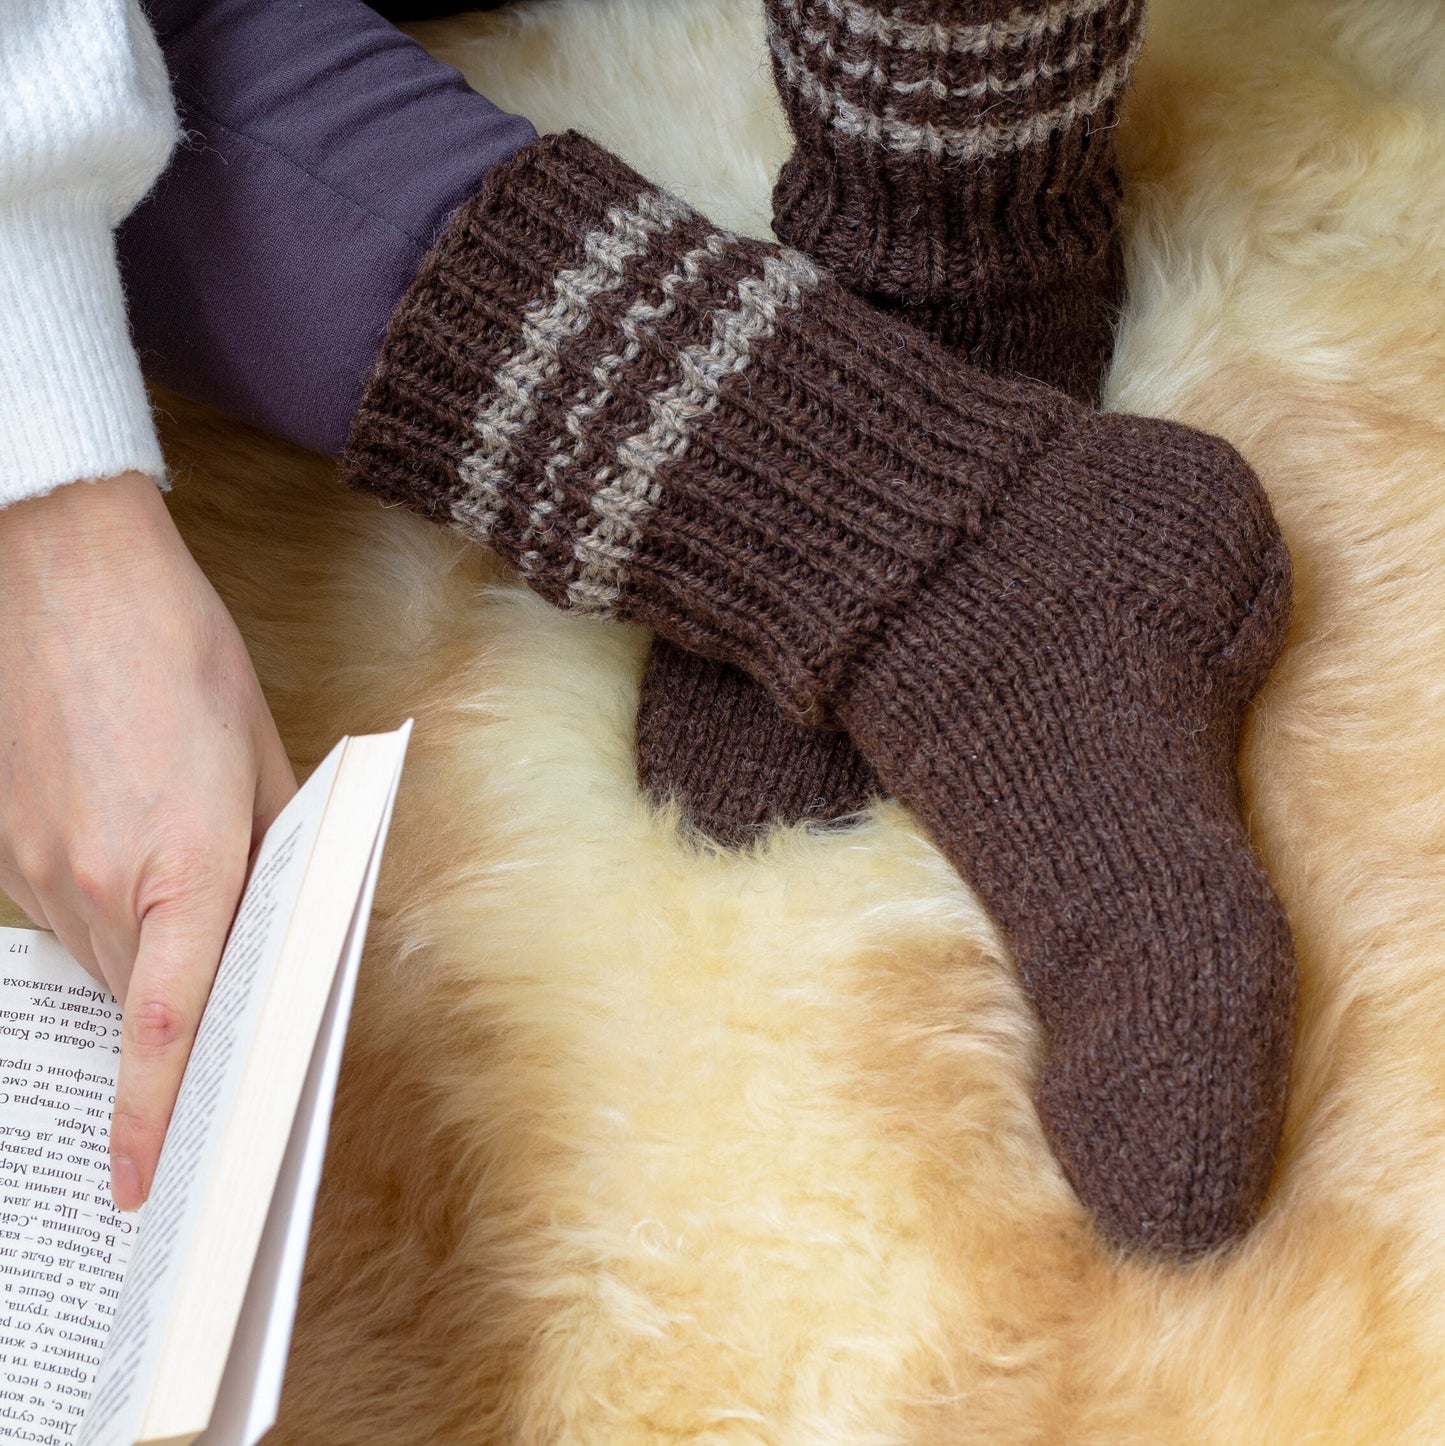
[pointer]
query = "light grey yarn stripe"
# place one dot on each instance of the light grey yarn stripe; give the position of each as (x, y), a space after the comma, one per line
(640, 316)
(1022, 27)
(550, 322)
(628, 491)
(977, 142)
(995, 83)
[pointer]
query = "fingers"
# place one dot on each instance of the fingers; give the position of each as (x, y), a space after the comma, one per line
(180, 947)
(55, 907)
(181, 938)
(86, 902)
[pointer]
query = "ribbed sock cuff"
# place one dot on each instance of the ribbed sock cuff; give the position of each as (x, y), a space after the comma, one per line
(657, 420)
(962, 169)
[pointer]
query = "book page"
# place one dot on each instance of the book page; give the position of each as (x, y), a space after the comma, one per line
(221, 1254)
(63, 1247)
(217, 1062)
(250, 1392)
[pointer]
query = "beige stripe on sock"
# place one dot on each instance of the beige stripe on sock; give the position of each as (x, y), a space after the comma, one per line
(1022, 27)
(976, 142)
(873, 71)
(641, 316)
(547, 325)
(629, 490)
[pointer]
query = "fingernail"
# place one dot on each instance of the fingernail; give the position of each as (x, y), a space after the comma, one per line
(125, 1185)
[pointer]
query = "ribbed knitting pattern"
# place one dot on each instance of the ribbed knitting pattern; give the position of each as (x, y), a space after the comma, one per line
(960, 168)
(1041, 624)
(85, 126)
(954, 164)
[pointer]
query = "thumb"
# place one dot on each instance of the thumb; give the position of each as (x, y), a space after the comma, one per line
(181, 939)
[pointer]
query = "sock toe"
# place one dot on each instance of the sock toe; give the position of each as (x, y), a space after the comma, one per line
(1163, 1095)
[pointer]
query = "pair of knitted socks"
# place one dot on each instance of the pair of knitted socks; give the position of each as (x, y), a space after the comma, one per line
(954, 165)
(1039, 624)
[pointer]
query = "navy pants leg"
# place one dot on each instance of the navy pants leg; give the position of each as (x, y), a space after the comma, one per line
(325, 152)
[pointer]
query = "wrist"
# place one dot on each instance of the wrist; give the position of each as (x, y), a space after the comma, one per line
(66, 533)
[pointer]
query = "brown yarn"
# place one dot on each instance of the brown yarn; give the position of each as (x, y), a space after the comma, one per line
(954, 165)
(712, 737)
(1041, 624)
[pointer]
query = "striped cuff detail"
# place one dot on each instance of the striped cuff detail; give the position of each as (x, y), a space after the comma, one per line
(658, 420)
(963, 174)
(1023, 26)
(628, 488)
(959, 106)
(509, 410)
(964, 93)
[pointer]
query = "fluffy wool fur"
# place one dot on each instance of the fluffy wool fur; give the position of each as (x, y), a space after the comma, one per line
(639, 1142)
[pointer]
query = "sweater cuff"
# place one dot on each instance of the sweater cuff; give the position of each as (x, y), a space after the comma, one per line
(72, 402)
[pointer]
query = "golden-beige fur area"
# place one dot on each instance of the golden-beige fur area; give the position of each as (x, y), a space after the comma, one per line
(641, 1142)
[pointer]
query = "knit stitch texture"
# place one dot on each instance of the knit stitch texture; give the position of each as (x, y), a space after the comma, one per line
(954, 164)
(86, 124)
(1041, 624)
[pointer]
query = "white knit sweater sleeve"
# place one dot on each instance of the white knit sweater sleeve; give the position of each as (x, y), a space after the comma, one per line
(86, 125)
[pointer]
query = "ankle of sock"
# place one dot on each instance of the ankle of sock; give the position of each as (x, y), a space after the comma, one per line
(1060, 333)
(711, 738)
(655, 419)
(958, 166)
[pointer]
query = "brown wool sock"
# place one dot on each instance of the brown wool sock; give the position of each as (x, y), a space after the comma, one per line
(1041, 624)
(955, 165)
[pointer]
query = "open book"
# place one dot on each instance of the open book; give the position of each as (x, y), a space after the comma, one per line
(172, 1324)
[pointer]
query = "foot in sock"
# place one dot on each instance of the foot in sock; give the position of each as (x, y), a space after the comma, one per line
(1062, 701)
(954, 165)
(1041, 624)
(735, 762)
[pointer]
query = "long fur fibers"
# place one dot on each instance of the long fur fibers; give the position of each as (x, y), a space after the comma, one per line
(643, 1143)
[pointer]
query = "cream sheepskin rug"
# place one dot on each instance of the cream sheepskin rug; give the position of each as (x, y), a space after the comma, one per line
(644, 1143)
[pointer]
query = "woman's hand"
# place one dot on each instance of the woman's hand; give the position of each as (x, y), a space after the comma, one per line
(139, 764)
